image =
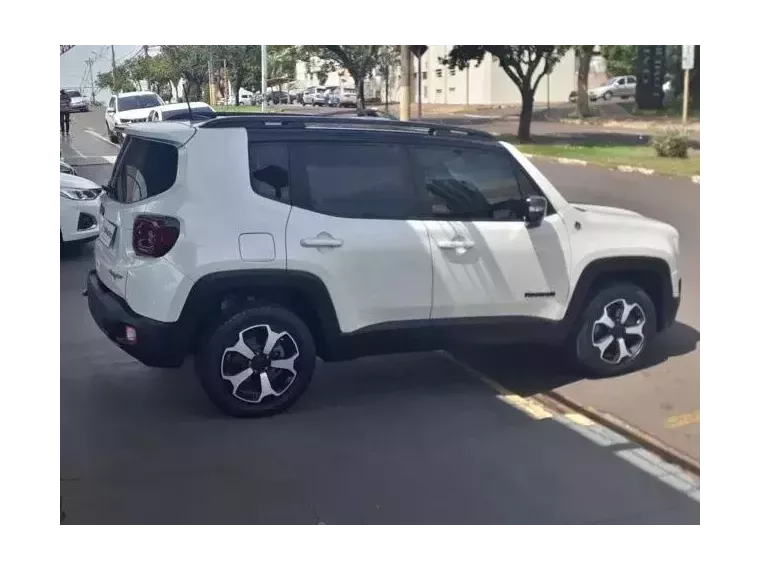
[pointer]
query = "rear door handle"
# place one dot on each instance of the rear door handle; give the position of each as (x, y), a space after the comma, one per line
(321, 241)
(457, 244)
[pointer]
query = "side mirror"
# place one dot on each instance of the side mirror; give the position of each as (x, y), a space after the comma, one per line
(110, 111)
(535, 210)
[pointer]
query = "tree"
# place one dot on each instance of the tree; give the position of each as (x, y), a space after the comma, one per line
(244, 65)
(526, 66)
(191, 63)
(281, 65)
(388, 57)
(584, 65)
(358, 61)
(621, 60)
(104, 80)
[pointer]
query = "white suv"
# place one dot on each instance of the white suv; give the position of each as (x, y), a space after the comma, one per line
(256, 244)
(128, 108)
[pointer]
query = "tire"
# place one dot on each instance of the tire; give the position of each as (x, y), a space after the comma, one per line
(111, 135)
(252, 326)
(607, 95)
(586, 346)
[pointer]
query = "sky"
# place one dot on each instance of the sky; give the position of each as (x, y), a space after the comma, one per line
(73, 66)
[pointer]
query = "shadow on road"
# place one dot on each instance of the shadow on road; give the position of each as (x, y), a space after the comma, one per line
(530, 369)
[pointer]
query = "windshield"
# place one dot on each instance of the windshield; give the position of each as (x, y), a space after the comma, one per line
(74, 93)
(138, 102)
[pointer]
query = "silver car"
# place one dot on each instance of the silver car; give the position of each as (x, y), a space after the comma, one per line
(623, 87)
(342, 97)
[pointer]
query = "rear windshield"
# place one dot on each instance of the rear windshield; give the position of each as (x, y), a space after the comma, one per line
(74, 93)
(143, 169)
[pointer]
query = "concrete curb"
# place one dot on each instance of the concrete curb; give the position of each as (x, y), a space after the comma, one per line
(552, 399)
(618, 167)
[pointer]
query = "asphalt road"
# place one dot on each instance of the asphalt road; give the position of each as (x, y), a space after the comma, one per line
(398, 439)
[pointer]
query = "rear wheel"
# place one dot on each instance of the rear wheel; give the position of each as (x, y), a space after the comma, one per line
(258, 362)
(614, 330)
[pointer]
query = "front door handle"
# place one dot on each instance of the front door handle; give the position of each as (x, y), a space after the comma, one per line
(322, 241)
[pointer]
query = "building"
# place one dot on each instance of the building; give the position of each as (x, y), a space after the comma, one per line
(484, 84)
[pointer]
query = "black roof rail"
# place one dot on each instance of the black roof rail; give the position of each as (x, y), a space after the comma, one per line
(293, 121)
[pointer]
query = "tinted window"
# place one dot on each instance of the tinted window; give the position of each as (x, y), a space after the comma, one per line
(138, 102)
(469, 184)
(269, 170)
(356, 180)
(143, 169)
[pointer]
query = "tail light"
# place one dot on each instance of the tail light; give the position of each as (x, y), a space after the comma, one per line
(154, 236)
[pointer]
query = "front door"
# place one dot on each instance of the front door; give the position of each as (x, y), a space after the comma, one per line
(486, 261)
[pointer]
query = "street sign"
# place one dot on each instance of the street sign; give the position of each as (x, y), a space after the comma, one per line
(650, 76)
(687, 57)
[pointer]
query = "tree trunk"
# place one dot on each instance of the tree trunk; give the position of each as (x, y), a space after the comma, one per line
(526, 113)
(584, 65)
(360, 94)
(238, 85)
(387, 87)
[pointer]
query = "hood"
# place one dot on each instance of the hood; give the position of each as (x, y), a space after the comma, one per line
(606, 210)
(77, 182)
(136, 113)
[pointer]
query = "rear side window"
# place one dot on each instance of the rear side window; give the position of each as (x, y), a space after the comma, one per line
(269, 170)
(355, 180)
(143, 169)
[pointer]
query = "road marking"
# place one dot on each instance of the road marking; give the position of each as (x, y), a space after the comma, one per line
(682, 420)
(525, 405)
(101, 137)
(635, 454)
(72, 147)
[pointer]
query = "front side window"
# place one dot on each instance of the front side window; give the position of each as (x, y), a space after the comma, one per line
(469, 184)
(356, 180)
(143, 169)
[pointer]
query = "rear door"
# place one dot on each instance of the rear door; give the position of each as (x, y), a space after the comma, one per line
(353, 225)
(143, 169)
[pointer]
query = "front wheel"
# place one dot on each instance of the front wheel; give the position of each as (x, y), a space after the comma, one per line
(614, 330)
(607, 96)
(258, 362)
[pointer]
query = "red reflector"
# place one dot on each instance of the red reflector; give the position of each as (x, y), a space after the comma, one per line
(130, 334)
(154, 236)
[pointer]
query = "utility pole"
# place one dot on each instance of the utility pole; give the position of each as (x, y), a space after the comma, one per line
(263, 79)
(404, 102)
(145, 51)
(89, 61)
(113, 70)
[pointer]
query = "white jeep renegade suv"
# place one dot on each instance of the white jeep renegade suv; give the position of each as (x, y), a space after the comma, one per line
(256, 244)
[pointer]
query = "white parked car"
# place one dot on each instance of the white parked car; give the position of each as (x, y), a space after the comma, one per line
(256, 245)
(78, 101)
(80, 201)
(181, 112)
(128, 108)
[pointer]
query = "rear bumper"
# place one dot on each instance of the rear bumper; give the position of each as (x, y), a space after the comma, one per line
(158, 344)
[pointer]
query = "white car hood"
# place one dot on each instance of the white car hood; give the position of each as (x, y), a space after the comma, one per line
(136, 113)
(77, 182)
(607, 210)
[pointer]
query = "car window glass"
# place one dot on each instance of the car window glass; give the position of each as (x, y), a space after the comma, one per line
(269, 170)
(357, 180)
(144, 169)
(469, 184)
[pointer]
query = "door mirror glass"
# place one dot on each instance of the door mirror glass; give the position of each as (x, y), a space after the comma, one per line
(535, 210)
